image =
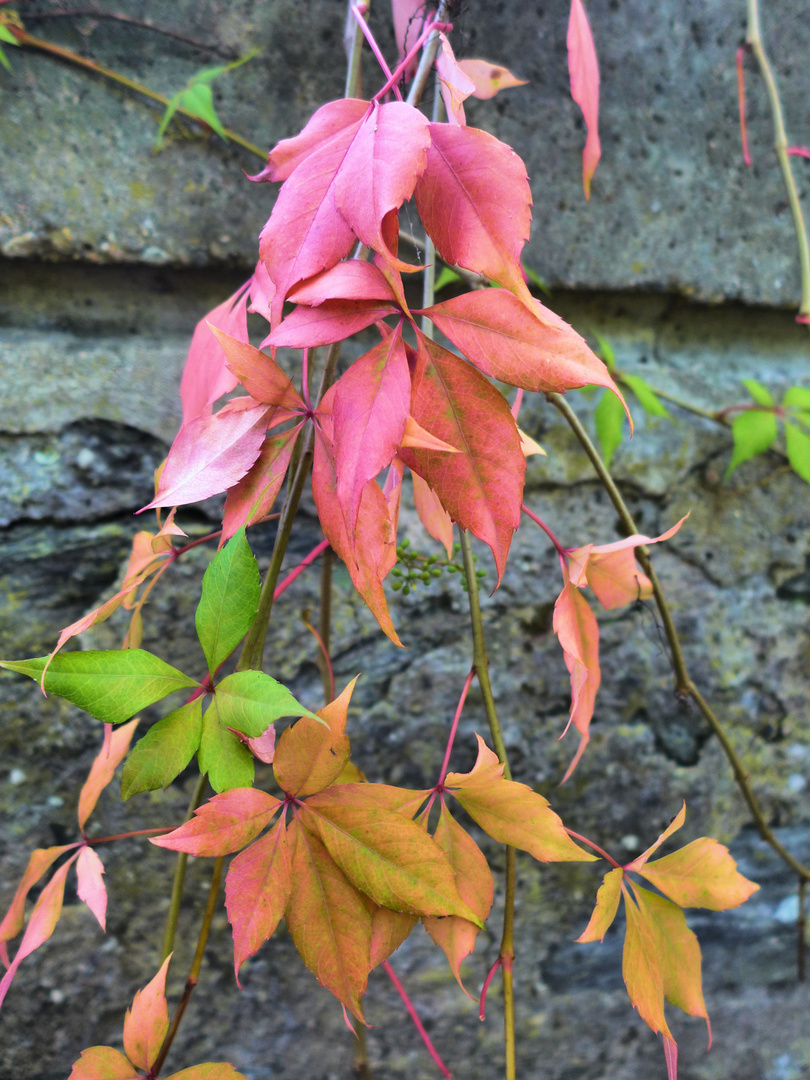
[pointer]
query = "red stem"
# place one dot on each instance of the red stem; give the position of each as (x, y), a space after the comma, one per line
(561, 550)
(741, 99)
(327, 661)
(375, 48)
(128, 835)
(454, 727)
(591, 844)
(485, 987)
(293, 574)
(393, 80)
(420, 1027)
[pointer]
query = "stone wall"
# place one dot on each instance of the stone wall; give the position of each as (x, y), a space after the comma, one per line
(112, 253)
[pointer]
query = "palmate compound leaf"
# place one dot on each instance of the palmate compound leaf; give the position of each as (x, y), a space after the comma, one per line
(512, 813)
(454, 935)
(257, 890)
(481, 486)
(164, 751)
(385, 855)
(328, 920)
(103, 769)
(224, 824)
(310, 755)
(110, 684)
(229, 600)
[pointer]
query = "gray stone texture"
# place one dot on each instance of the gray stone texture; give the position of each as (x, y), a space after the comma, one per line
(91, 357)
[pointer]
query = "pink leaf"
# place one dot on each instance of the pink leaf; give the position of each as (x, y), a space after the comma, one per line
(481, 486)
(475, 202)
(328, 122)
(40, 861)
(455, 83)
(147, 1022)
(103, 768)
(254, 495)
(418, 438)
(432, 514)
(524, 345)
(103, 1063)
(380, 170)
(333, 320)
(205, 376)
(369, 411)
(261, 291)
(41, 924)
(576, 627)
(583, 69)
(352, 279)
(488, 78)
(409, 19)
(212, 453)
(259, 374)
(92, 889)
(226, 823)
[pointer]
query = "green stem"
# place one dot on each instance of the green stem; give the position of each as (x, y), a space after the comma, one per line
(684, 685)
(696, 410)
(754, 39)
(481, 665)
(354, 54)
(196, 965)
(180, 874)
(426, 61)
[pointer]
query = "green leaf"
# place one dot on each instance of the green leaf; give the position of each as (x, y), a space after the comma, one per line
(171, 109)
(647, 397)
(250, 701)
(110, 684)
(445, 278)
(606, 351)
(4, 59)
(754, 431)
(761, 394)
(164, 751)
(230, 597)
(798, 451)
(222, 754)
(797, 397)
(535, 279)
(609, 416)
(198, 99)
(7, 36)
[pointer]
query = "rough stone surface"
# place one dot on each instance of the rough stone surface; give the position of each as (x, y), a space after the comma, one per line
(673, 208)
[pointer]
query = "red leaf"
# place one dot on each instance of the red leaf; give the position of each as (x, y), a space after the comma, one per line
(488, 78)
(524, 345)
(369, 412)
(329, 121)
(41, 924)
(475, 202)
(103, 768)
(583, 69)
(212, 453)
(388, 930)
(329, 922)
(40, 861)
(92, 890)
(262, 290)
(257, 890)
(259, 374)
(352, 279)
(306, 232)
(480, 487)
(380, 170)
(205, 375)
(147, 1022)
(432, 514)
(417, 438)
(249, 500)
(576, 627)
(224, 824)
(409, 20)
(103, 1063)
(333, 320)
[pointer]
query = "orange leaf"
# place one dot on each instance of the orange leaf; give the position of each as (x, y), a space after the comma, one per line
(259, 374)
(221, 1070)
(253, 496)
(329, 923)
(257, 890)
(454, 935)
(310, 756)
(512, 813)
(40, 860)
(416, 437)
(583, 69)
(673, 827)
(147, 1022)
(103, 768)
(576, 627)
(224, 824)
(702, 874)
(641, 966)
(607, 904)
(103, 1063)
(432, 514)
(488, 78)
(388, 930)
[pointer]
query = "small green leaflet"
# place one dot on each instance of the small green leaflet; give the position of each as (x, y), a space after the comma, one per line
(609, 417)
(198, 99)
(8, 37)
(110, 684)
(445, 278)
(230, 597)
(250, 701)
(535, 279)
(647, 397)
(797, 444)
(606, 352)
(754, 431)
(222, 754)
(761, 394)
(164, 751)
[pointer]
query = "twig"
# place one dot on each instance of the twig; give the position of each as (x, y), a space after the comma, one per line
(420, 1027)
(684, 685)
(142, 24)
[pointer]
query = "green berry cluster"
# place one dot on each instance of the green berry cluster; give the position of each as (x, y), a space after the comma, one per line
(413, 567)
